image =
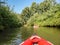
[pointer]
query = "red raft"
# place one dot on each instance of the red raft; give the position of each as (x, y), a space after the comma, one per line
(36, 40)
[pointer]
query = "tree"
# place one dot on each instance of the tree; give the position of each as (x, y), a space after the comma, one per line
(34, 7)
(26, 13)
(9, 19)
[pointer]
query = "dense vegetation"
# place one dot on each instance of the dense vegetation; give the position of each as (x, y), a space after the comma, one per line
(8, 18)
(46, 13)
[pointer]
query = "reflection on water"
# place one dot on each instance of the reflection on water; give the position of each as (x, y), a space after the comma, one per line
(10, 37)
(50, 34)
(17, 35)
(26, 32)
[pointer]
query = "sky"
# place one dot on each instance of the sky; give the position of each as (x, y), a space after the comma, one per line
(19, 5)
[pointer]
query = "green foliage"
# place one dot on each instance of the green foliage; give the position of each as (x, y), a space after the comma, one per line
(36, 8)
(8, 18)
(44, 14)
(25, 15)
(48, 15)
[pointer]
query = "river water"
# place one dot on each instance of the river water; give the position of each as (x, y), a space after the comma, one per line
(17, 35)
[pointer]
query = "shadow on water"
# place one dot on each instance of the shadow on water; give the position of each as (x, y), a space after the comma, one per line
(17, 35)
(9, 36)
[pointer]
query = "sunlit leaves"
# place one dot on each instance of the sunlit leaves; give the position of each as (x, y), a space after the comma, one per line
(49, 14)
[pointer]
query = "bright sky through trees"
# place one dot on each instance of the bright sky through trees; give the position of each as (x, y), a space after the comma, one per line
(21, 4)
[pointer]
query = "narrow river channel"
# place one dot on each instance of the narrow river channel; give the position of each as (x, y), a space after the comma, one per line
(17, 35)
